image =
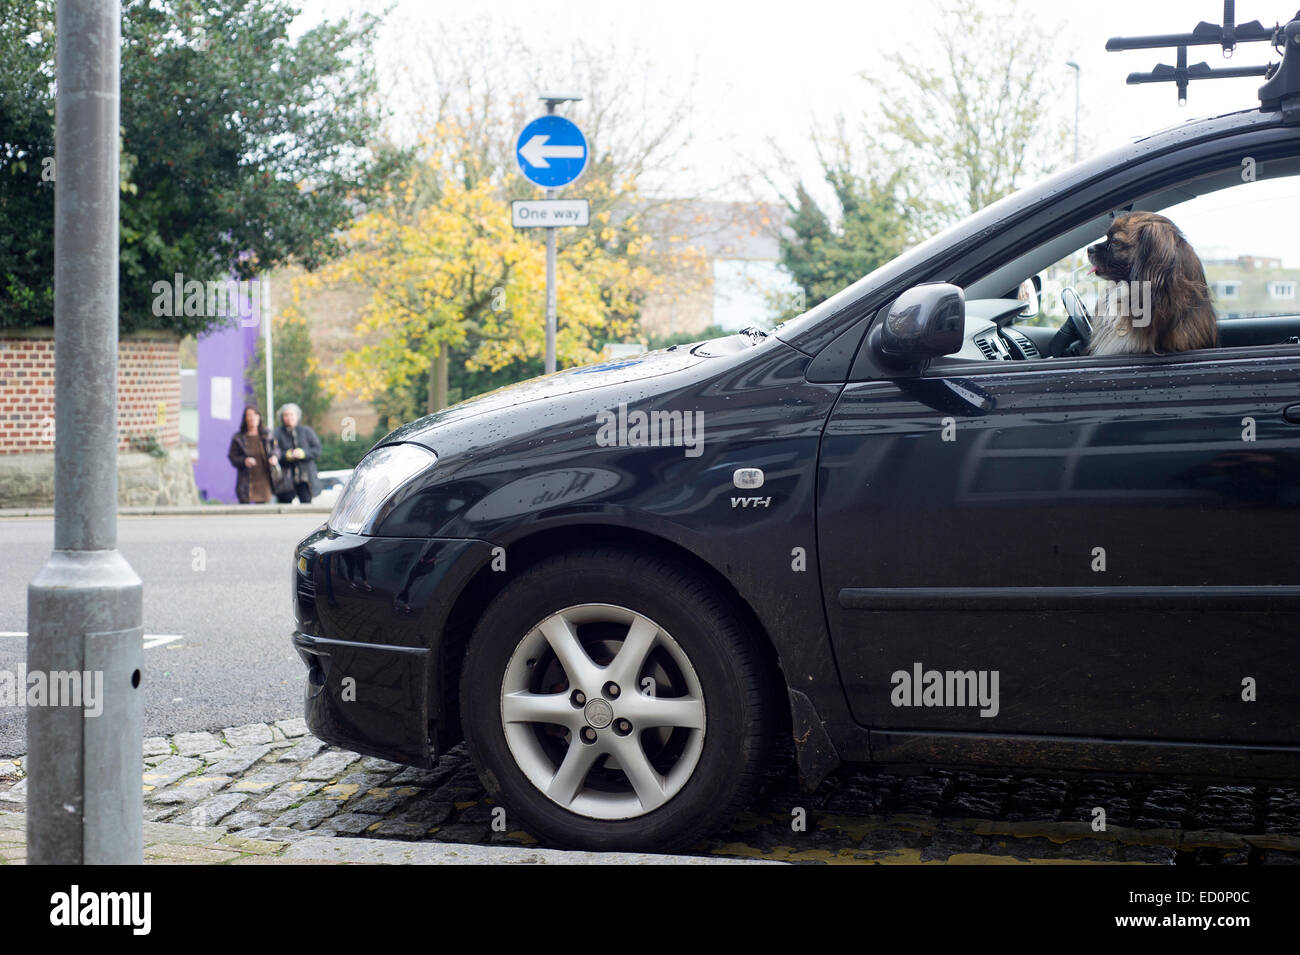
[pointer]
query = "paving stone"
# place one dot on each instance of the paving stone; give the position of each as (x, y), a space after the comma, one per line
(195, 744)
(159, 813)
(363, 781)
(456, 832)
(277, 734)
(293, 728)
(350, 823)
(383, 801)
(16, 793)
(416, 776)
(240, 759)
(404, 829)
(154, 760)
(170, 770)
(190, 790)
(269, 833)
(158, 746)
(375, 765)
(10, 770)
(211, 811)
(250, 734)
(264, 780)
(1160, 855)
(428, 809)
(971, 805)
(288, 794)
(309, 815)
(217, 755)
(246, 819)
(302, 750)
(328, 765)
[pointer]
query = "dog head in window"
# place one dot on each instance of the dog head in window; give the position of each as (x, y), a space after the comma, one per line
(1160, 300)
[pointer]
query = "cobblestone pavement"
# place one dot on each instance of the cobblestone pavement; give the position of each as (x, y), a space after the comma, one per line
(273, 781)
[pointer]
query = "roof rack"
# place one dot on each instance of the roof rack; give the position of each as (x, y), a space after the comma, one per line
(1281, 89)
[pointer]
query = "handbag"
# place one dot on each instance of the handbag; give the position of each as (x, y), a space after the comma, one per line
(281, 479)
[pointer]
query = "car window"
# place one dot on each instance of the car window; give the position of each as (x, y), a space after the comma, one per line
(1244, 236)
(1248, 243)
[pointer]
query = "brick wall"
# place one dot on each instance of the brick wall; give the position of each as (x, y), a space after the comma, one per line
(148, 391)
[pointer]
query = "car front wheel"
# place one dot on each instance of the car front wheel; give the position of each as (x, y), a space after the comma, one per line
(613, 701)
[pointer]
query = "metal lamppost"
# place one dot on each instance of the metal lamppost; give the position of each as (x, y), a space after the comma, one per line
(84, 608)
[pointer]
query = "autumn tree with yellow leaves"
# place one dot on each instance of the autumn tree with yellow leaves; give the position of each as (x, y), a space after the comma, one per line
(448, 272)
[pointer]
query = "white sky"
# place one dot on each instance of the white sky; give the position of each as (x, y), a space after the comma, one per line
(770, 69)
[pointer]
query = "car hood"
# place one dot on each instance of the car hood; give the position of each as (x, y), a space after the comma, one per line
(627, 372)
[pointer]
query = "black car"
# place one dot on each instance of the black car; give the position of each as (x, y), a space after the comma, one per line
(896, 526)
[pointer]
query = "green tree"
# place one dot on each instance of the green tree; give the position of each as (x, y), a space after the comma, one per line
(296, 377)
(241, 148)
(825, 252)
(976, 112)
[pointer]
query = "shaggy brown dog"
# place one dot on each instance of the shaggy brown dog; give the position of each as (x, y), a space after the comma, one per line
(1161, 303)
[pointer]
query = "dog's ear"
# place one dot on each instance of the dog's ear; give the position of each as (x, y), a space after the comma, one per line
(1156, 255)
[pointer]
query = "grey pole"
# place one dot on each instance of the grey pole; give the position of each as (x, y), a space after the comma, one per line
(550, 290)
(552, 100)
(551, 321)
(84, 608)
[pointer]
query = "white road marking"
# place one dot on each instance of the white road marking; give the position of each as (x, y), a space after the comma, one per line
(151, 640)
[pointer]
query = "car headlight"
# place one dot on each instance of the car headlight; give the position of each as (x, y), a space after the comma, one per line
(374, 481)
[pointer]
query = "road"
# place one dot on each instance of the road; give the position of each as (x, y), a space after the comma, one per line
(219, 585)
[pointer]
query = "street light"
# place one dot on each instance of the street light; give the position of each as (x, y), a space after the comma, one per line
(552, 100)
(1078, 73)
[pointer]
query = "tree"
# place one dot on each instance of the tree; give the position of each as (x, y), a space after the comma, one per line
(971, 117)
(295, 374)
(241, 148)
(447, 272)
(953, 130)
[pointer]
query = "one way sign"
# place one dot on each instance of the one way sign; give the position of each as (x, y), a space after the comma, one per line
(551, 151)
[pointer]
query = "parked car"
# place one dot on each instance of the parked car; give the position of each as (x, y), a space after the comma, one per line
(893, 526)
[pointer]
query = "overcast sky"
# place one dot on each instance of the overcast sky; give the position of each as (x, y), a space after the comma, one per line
(769, 69)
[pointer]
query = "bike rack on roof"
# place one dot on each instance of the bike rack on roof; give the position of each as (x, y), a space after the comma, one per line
(1281, 89)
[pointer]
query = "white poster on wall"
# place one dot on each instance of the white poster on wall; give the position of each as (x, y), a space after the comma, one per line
(220, 402)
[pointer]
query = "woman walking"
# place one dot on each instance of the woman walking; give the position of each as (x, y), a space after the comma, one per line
(300, 447)
(255, 456)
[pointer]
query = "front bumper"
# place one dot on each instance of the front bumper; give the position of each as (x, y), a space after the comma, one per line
(370, 614)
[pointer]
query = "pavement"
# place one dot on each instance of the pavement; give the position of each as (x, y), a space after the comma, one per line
(269, 791)
(217, 614)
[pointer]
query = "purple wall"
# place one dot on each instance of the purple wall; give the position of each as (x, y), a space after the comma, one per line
(223, 355)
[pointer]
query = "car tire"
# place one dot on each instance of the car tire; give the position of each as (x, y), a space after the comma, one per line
(576, 760)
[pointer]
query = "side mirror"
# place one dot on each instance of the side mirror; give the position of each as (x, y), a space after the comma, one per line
(1029, 292)
(924, 322)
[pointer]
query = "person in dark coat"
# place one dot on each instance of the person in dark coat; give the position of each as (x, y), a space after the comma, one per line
(300, 447)
(256, 458)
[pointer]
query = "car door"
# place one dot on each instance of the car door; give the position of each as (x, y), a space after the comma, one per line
(1101, 548)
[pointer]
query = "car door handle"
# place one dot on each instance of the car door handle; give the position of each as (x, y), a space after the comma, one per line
(1292, 414)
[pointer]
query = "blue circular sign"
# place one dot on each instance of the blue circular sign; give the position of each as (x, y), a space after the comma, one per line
(551, 151)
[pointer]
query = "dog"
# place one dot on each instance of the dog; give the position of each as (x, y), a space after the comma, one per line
(1160, 302)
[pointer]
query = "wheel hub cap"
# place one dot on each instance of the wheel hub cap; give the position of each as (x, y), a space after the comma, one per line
(599, 714)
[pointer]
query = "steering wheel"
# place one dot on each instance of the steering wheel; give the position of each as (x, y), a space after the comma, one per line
(1079, 316)
(1073, 336)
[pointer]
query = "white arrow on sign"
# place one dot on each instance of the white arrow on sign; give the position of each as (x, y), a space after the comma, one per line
(536, 152)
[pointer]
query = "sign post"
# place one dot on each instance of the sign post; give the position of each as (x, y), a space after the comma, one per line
(552, 152)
